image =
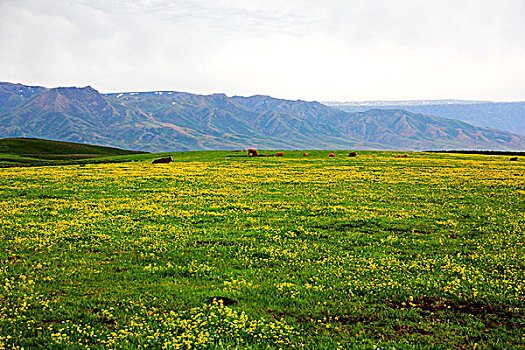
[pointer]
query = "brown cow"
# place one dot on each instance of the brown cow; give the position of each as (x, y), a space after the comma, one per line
(513, 159)
(252, 152)
(280, 154)
(332, 154)
(305, 154)
(163, 160)
(352, 154)
(397, 156)
(404, 156)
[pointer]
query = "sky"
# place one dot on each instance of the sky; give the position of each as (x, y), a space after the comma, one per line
(339, 50)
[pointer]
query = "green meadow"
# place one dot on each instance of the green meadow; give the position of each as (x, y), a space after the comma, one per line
(220, 251)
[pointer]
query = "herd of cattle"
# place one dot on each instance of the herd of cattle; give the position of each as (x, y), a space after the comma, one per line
(254, 153)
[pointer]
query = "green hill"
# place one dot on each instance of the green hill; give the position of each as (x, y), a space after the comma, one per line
(30, 151)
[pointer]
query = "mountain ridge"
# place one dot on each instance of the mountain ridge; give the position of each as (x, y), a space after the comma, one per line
(507, 116)
(169, 120)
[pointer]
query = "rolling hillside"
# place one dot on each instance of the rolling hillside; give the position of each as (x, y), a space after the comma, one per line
(38, 148)
(167, 121)
(28, 151)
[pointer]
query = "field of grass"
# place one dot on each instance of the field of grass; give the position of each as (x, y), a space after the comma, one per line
(220, 251)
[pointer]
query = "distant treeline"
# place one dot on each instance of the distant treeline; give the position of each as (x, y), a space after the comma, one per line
(495, 153)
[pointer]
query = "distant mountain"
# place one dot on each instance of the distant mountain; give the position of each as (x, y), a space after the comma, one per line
(12, 95)
(240, 122)
(71, 114)
(400, 104)
(508, 116)
(409, 130)
(168, 120)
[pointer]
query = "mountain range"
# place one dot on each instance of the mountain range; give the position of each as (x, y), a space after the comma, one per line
(167, 121)
(507, 116)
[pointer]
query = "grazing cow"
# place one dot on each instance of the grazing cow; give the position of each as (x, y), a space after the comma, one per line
(163, 160)
(352, 154)
(280, 154)
(404, 156)
(332, 154)
(305, 154)
(513, 159)
(397, 156)
(252, 152)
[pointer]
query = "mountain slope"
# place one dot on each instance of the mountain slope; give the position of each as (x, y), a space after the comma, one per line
(234, 123)
(70, 114)
(12, 95)
(507, 116)
(167, 121)
(413, 131)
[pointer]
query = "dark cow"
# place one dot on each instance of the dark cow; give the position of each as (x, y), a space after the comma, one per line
(252, 152)
(352, 154)
(514, 159)
(163, 160)
(332, 154)
(280, 154)
(404, 156)
(305, 154)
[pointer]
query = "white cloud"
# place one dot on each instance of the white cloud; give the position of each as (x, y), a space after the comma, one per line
(344, 50)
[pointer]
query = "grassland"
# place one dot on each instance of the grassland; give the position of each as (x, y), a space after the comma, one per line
(217, 251)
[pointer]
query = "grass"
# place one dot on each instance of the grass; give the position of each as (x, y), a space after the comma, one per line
(218, 251)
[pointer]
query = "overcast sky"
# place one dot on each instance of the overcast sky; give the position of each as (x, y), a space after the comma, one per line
(340, 50)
